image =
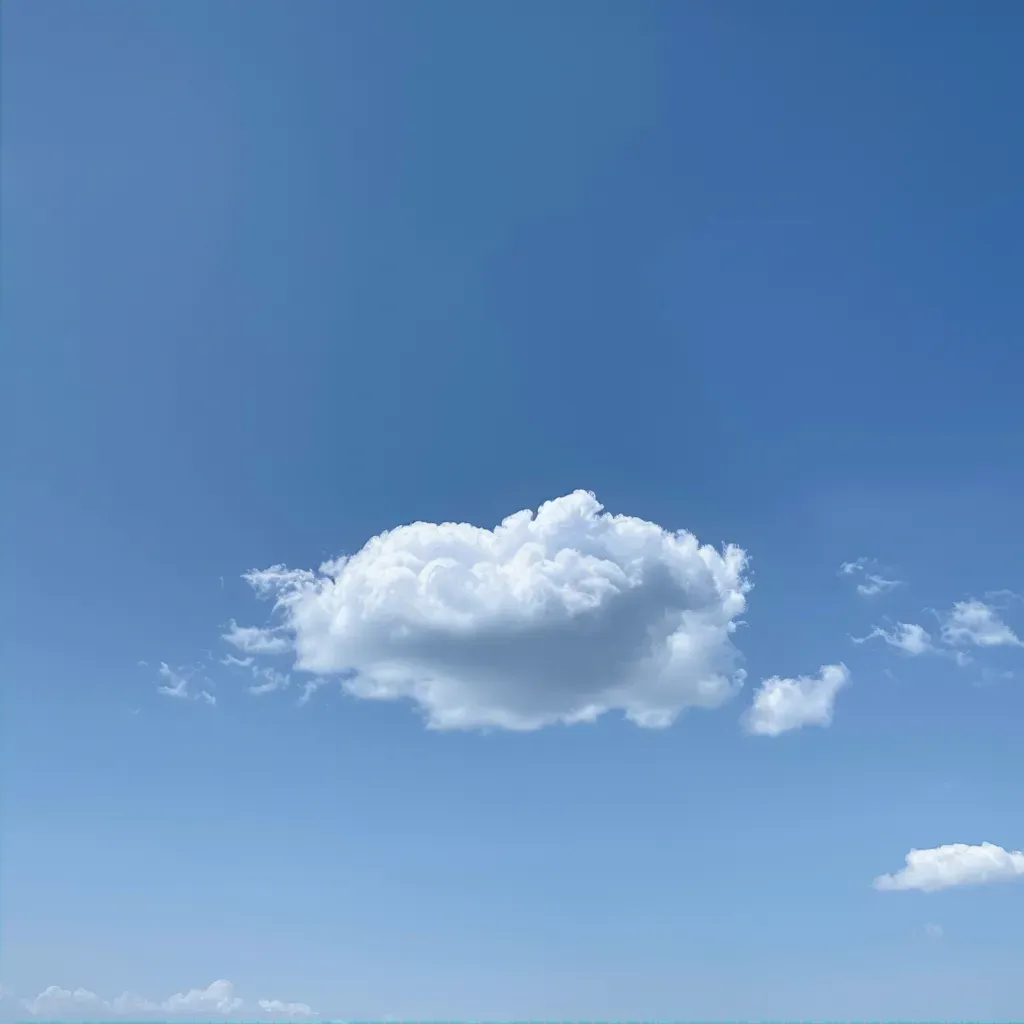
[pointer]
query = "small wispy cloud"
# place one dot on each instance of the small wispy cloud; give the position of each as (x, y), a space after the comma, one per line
(176, 685)
(994, 677)
(308, 689)
(874, 584)
(934, 932)
(268, 680)
(255, 640)
(230, 659)
(871, 581)
(908, 637)
(968, 624)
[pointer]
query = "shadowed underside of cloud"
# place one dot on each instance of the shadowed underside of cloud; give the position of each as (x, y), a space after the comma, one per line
(557, 616)
(944, 867)
(781, 705)
(216, 1000)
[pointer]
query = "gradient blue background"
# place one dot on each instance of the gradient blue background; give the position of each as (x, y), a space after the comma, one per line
(279, 276)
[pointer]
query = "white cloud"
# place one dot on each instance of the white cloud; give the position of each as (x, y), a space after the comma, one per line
(176, 685)
(781, 705)
(956, 864)
(231, 660)
(216, 1000)
(219, 996)
(308, 689)
(874, 584)
(935, 932)
(872, 581)
(974, 622)
(131, 1004)
(54, 1002)
(557, 616)
(268, 680)
(254, 640)
(286, 1011)
(907, 636)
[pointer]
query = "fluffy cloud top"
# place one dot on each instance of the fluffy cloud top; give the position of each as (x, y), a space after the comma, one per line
(216, 1000)
(219, 997)
(781, 705)
(956, 864)
(974, 622)
(56, 1003)
(557, 616)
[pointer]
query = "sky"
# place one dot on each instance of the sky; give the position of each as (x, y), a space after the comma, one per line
(514, 511)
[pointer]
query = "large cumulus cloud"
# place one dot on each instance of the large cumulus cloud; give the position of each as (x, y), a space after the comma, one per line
(554, 616)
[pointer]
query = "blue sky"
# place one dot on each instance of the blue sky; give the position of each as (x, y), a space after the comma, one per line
(281, 277)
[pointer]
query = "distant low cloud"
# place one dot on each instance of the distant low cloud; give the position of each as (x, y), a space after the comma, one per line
(868, 573)
(945, 867)
(217, 1000)
(56, 1003)
(286, 1011)
(553, 616)
(219, 997)
(978, 624)
(782, 705)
